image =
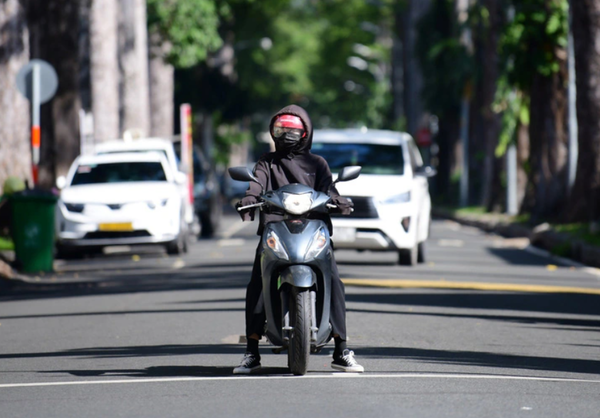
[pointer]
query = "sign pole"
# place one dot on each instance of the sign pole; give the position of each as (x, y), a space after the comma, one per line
(187, 156)
(35, 122)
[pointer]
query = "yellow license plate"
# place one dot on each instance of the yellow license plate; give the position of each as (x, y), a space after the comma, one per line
(123, 226)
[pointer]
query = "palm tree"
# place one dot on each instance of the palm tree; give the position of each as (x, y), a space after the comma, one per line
(133, 56)
(104, 69)
(15, 157)
(585, 198)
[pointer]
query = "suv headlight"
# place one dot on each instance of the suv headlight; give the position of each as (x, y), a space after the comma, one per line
(317, 244)
(297, 203)
(275, 245)
(399, 198)
(75, 207)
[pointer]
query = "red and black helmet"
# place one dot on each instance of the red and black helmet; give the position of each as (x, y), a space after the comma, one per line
(290, 125)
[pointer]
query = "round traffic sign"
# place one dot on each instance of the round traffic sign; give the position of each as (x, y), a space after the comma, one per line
(48, 80)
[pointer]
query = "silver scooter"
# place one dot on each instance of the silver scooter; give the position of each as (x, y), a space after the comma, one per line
(296, 267)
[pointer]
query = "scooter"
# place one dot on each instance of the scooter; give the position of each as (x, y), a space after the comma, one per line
(296, 267)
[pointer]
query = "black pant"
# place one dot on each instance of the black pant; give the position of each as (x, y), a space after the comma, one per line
(255, 315)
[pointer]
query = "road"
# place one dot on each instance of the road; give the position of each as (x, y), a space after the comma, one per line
(485, 327)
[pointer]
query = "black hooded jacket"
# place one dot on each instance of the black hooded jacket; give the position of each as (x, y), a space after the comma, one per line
(277, 169)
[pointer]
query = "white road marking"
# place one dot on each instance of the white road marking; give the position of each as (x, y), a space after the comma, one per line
(231, 242)
(178, 264)
(234, 228)
(309, 376)
(451, 243)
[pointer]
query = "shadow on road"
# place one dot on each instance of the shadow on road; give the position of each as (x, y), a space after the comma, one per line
(172, 371)
(479, 359)
(135, 351)
(563, 303)
(463, 358)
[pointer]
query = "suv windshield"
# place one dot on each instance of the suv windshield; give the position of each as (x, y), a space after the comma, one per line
(118, 173)
(373, 158)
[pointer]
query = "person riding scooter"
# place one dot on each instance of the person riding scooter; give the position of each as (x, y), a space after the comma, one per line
(292, 162)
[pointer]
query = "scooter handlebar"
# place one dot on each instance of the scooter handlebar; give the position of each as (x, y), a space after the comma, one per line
(254, 205)
(332, 206)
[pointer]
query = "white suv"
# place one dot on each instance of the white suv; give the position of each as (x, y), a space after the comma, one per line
(392, 206)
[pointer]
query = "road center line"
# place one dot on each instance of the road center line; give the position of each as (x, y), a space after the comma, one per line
(310, 376)
(443, 284)
(233, 229)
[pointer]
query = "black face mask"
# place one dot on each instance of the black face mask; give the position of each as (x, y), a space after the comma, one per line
(287, 142)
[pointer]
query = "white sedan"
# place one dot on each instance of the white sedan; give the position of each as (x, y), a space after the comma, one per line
(120, 199)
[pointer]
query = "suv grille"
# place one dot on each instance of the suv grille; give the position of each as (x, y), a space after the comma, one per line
(363, 208)
(117, 234)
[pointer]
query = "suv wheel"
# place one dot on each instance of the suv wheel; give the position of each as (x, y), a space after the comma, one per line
(408, 257)
(421, 252)
(180, 244)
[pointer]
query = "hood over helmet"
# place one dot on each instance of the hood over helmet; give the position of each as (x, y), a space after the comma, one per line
(302, 145)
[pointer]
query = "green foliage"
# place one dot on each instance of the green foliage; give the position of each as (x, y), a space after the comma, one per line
(581, 231)
(444, 60)
(188, 27)
(6, 244)
(530, 44)
(226, 137)
(308, 62)
(532, 39)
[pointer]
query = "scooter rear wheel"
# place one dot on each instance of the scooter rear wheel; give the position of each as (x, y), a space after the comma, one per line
(299, 348)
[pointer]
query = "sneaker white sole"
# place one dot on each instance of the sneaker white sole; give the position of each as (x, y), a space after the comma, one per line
(348, 369)
(243, 370)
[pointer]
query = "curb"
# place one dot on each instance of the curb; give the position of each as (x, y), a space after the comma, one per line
(541, 236)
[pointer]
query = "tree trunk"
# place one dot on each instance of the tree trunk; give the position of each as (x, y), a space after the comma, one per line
(104, 69)
(548, 133)
(54, 37)
(162, 90)
(522, 159)
(585, 198)
(15, 154)
(491, 120)
(133, 56)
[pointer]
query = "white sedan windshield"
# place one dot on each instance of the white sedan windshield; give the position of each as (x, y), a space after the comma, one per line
(118, 173)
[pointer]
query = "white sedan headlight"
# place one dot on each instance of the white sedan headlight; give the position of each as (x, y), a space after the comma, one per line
(297, 203)
(274, 243)
(399, 198)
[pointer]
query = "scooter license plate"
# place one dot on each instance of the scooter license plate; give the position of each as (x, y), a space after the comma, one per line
(344, 234)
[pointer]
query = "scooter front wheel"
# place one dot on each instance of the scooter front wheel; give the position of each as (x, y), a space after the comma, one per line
(299, 348)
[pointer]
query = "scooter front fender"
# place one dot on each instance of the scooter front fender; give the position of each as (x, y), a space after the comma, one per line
(298, 276)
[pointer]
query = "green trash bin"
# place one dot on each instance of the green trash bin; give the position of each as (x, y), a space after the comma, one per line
(32, 229)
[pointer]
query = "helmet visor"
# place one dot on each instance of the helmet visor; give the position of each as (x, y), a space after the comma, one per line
(293, 134)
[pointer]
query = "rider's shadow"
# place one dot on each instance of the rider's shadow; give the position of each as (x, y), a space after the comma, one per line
(172, 371)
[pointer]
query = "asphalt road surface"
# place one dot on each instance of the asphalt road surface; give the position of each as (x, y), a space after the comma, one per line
(486, 327)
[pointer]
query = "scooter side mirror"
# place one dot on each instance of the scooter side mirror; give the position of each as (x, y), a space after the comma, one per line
(242, 174)
(349, 173)
(425, 171)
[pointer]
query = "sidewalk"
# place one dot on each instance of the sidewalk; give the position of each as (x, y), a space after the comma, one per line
(541, 236)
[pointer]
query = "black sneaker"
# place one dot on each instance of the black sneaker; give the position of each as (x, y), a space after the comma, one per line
(249, 364)
(347, 363)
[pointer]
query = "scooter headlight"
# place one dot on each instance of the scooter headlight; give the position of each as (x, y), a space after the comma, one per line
(297, 204)
(317, 245)
(274, 243)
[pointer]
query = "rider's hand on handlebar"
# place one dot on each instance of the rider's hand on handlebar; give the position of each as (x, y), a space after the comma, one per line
(344, 205)
(247, 214)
